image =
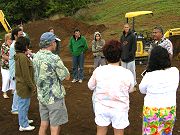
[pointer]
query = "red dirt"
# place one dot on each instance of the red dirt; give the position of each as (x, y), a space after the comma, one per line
(78, 98)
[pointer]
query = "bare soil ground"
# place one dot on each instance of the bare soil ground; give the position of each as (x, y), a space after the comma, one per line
(78, 98)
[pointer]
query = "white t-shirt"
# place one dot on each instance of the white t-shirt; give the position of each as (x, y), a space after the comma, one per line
(111, 85)
(160, 87)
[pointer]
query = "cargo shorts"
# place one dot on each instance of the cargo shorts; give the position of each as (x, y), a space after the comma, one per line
(55, 113)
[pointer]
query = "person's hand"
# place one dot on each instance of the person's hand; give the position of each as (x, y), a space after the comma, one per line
(28, 52)
(34, 91)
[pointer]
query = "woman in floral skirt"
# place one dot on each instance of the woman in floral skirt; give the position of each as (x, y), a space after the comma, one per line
(160, 84)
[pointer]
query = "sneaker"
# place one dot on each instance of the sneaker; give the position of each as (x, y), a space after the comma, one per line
(80, 81)
(29, 128)
(5, 95)
(30, 121)
(74, 80)
(15, 112)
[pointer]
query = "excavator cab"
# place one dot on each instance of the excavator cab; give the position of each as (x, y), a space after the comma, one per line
(142, 50)
(4, 22)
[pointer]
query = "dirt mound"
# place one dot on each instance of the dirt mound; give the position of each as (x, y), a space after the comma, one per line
(64, 28)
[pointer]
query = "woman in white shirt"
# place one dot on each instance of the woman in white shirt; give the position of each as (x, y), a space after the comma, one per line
(111, 85)
(160, 84)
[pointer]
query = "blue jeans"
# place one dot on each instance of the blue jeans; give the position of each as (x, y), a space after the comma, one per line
(23, 108)
(78, 67)
(14, 107)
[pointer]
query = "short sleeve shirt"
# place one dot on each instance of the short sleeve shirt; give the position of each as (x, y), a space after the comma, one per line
(49, 72)
(5, 51)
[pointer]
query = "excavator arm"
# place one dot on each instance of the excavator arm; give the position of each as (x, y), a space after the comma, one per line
(4, 22)
(172, 32)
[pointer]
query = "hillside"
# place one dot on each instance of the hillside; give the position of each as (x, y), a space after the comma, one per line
(107, 16)
(64, 28)
(112, 12)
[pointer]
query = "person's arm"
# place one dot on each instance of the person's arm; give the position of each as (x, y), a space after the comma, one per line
(131, 79)
(11, 52)
(70, 45)
(25, 69)
(100, 46)
(92, 81)
(93, 47)
(4, 56)
(144, 84)
(170, 56)
(120, 39)
(12, 61)
(134, 46)
(61, 71)
(85, 45)
(170, 50)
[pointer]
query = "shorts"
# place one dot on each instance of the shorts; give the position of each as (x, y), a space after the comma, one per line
(104, 116)
(55, 113)
(158, 120)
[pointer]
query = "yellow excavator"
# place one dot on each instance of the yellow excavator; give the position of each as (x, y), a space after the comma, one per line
(143, 45)
(4, 22)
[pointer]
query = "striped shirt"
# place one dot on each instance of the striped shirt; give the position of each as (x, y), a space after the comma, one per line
(166, 43)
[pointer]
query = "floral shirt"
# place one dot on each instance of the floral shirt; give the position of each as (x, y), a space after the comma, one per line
(5, 51)
(49, 72)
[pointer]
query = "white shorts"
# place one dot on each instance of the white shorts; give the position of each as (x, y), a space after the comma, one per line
(104, 116)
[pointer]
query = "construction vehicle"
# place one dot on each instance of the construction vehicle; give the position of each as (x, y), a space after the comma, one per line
(142, 47)
(174, 37)
(4, 22)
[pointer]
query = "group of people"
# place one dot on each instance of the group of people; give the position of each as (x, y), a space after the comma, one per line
(44, 71)
(111, 85)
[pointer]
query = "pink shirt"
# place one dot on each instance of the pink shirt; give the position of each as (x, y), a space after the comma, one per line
(111, 85)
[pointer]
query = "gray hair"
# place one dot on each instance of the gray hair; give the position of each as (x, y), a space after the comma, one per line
(44, 44)
(159, 28)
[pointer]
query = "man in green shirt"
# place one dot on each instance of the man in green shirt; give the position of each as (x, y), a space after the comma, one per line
(49, 74)
(78, 45)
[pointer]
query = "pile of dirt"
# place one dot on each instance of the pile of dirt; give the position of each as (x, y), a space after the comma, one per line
(64, 29)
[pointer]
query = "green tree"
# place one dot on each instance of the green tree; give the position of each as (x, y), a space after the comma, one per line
(25, 10)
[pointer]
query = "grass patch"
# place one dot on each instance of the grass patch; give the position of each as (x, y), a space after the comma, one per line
(166, 13)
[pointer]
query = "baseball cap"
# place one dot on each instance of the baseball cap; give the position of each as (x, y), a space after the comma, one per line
(46, 38)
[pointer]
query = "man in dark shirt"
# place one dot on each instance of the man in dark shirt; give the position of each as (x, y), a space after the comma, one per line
(128, 41)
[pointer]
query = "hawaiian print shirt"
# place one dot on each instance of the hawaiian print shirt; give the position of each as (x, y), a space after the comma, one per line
(49, 74)
(5, 51)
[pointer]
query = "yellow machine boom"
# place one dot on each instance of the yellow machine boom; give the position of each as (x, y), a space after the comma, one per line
(172, 32)
(4, 22)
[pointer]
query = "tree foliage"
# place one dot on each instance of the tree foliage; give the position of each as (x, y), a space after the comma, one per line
(25, 10)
